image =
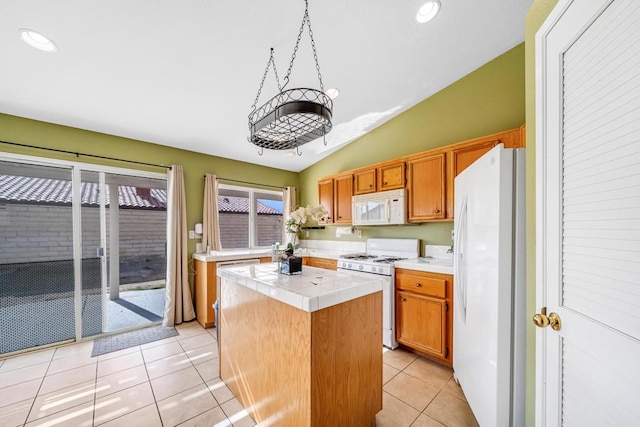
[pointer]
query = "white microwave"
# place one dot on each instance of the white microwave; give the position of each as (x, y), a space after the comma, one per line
(383, 208)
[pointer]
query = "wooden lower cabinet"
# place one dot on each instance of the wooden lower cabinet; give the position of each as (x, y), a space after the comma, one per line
(329, 264)
(205, 292)
(424, 316)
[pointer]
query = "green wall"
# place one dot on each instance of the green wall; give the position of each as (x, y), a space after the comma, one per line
(488, 100)
(25, 131)
(536, 16)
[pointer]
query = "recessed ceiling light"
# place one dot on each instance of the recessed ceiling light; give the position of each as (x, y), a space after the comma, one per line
(37, 40)
(428, 11)
(332, 93)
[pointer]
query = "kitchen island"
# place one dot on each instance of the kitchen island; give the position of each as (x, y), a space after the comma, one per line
(302, 350)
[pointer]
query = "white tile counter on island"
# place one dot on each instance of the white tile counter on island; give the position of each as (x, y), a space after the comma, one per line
(301, 350)
(313, 289)
(206, 265)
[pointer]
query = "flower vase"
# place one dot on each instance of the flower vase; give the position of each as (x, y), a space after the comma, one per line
(293, 239)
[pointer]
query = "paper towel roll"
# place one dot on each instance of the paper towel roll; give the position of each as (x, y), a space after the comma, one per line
(342, 231)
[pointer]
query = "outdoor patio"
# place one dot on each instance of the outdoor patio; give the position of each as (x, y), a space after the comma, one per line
(37, 303)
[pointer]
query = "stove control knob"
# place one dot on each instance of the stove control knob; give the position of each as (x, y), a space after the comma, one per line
(361, 267)
(349, 265)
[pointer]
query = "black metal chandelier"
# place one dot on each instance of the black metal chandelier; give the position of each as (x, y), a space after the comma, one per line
(294, 116)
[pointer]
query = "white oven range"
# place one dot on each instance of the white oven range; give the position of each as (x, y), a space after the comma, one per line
(378, 259)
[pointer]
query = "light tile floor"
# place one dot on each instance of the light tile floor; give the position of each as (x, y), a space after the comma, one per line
(175, 382)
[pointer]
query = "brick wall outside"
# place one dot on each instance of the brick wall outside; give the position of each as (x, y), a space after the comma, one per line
(234, 230)
(32, 233)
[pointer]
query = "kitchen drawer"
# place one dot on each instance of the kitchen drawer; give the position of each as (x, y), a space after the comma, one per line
(422, 284)
(329, 264)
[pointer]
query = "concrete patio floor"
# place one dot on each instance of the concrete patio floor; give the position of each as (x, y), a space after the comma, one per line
(32, 322)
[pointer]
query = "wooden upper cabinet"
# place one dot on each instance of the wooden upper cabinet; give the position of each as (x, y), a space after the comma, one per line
(460, 159)
(342, 193)
(426, 184)
(325, 196)
(428, 176)
(364, 181)
(391, 176)
(463, 157)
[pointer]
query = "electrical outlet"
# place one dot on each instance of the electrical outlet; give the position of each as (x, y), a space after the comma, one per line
(192, 234)
(359, 233)
(306, 233)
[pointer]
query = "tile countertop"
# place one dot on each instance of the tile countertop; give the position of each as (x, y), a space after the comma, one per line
(216, 256)
(314, 289)
(435, 265)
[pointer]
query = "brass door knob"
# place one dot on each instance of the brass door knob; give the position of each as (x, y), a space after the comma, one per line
(541, 320)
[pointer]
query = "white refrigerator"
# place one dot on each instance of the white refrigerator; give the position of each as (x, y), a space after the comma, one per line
(489, 292)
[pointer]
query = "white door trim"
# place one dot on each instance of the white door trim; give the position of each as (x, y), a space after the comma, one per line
(549, 107)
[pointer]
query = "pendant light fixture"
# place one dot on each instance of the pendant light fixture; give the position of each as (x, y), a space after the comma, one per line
(294, 116)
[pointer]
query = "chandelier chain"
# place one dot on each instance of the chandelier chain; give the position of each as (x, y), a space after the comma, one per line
(315, 54)
(305, 20)
(270, 62)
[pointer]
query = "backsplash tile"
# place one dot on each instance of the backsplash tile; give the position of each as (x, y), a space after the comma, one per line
(334, 246)
(438, 251)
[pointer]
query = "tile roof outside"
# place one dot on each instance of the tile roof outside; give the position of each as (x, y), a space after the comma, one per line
(40, 190)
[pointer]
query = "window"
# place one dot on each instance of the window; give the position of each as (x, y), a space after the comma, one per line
(249, 218)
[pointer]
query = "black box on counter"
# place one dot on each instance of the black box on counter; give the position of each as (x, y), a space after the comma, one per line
(291, 265)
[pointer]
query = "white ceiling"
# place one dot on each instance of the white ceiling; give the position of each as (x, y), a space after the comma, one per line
(184, 73)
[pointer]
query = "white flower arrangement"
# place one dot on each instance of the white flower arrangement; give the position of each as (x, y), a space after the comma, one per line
(300, 216)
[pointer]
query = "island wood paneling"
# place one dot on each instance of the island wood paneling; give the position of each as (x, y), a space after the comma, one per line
(265, 355)
(346, 363)
(205, 292)
(289, 367)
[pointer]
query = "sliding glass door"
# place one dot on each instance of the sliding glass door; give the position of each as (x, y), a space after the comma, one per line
(135, 244)
(37, 277)
(82, 252)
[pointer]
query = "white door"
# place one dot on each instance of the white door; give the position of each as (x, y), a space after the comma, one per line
(588, 214)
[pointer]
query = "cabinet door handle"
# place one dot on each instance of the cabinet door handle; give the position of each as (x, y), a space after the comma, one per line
(384, 183)
(437, 211)
(418, 285)
(403, 299)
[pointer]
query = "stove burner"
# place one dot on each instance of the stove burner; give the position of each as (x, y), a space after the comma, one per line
(388, 260)
(358, 256)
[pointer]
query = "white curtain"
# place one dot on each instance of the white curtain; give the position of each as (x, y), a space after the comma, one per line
(178, 306)
(289, 205)
(210, 223)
